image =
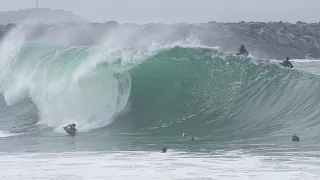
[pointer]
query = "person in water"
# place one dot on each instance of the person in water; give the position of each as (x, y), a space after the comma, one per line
(184, 135)
(72, 127)
(164, 150)
(243, 51)
(287, 63)
(295, 138)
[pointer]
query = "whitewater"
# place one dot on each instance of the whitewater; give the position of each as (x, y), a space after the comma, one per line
(137, 91)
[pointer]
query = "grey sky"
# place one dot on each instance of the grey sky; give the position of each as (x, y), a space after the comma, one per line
(168, 11)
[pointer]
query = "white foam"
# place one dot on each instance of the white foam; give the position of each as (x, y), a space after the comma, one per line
(4, 134)
(298, 60)
(156, 165)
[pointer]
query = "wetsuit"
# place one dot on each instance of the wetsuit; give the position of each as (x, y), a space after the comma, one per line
(72, 128)
(295, 138)
(287, 63)
(243, 51)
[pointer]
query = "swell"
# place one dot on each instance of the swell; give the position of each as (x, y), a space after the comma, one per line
(196, 90)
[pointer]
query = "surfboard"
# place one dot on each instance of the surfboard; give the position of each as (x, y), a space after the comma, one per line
(70, 132)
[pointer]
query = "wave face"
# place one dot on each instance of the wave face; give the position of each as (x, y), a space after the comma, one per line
(211, 95)
(160, 92)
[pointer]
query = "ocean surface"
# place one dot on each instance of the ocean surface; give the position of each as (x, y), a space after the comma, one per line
(129, 102)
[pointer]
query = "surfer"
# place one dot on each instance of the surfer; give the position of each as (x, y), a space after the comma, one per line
(72, 128)
(286, 63)
(164, 150)
(243, 51)
(295, 138)
(184, 136)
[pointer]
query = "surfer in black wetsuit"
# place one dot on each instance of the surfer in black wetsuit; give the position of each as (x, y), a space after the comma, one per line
(243, 51)
(295, 138)
(287, 63)
(164, 150)
(72, 127)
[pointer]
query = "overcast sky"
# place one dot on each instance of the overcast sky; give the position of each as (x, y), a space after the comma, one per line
(169, 11)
